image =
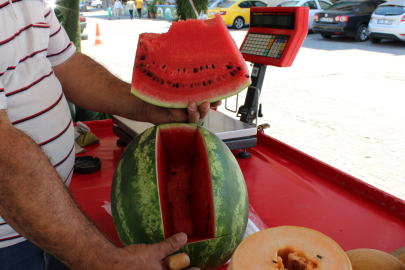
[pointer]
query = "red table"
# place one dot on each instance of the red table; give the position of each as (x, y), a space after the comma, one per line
(285, 186)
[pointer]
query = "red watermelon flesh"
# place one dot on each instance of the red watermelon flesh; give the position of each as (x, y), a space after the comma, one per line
(185, 187)
(195, 60)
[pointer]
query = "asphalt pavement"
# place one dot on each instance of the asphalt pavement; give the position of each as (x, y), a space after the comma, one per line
(341, 101)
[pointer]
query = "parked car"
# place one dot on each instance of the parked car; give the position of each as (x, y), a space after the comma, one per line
(313, 5)
(96, 3)
(388, 22)
(83, 22)
(235, 13)
(345, 18)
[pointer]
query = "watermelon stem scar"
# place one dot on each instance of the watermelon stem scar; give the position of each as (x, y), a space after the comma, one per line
(194, 61)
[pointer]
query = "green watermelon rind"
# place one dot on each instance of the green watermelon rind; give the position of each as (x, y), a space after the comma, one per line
(183, 105)
(145, 216)
(145, 209)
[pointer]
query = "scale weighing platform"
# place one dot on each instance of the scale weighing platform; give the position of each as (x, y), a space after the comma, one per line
(274, 38)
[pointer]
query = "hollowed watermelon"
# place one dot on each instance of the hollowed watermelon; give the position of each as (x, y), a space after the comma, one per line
(195, 60)
(181, 178)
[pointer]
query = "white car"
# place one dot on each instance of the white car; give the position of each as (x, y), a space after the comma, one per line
(388, 22)
(313, 5)
(96, 4)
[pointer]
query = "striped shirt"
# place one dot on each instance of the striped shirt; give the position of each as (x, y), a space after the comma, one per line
(31, 42)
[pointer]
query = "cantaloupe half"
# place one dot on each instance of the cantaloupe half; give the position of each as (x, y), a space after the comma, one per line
(289, 247)
(372, 259)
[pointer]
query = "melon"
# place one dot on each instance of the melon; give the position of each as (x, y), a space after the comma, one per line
(372, 259)
(181, 178)
(289, 247)
(196, 60)
(402, 258)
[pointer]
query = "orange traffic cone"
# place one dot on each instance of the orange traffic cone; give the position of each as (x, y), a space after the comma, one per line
(98, 36)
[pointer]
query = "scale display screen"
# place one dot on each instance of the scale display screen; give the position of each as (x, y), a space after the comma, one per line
(282, 20)
(275, 35)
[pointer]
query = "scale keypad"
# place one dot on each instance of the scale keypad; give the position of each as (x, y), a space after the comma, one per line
(265, 45)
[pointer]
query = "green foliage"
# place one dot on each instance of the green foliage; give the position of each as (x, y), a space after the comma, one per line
(58, 12)
(67, 12)
(152, 6)
(185, 11)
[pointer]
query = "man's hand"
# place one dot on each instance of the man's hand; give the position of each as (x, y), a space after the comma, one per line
(159, 115)
(151, 256)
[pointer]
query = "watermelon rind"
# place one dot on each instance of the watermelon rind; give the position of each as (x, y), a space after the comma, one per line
(183, 105)
(135, 200)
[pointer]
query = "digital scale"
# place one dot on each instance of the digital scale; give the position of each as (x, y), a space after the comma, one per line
(274, 38)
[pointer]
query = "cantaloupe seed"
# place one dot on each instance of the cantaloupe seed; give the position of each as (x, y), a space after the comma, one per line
(294, 260)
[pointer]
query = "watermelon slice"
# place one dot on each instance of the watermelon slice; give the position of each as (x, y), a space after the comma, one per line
(194, 61)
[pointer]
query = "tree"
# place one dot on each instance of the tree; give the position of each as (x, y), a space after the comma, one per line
(185, 11)
(67, 12)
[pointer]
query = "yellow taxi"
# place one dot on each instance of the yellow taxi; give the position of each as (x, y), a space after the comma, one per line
(235, 13)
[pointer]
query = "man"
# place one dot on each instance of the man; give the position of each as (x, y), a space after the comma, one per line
(37, 61)
(139, 4)
(130, 7)
(118, 8)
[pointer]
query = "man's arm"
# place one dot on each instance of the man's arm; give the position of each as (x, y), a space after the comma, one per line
(35, 202)
(91, 86)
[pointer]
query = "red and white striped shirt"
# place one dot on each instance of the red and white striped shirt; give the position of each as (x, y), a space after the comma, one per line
(31, 42)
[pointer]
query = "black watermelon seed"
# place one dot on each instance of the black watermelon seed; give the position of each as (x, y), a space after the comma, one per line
(143, 57)
(149, 74)
(163, 66)
(174, 173)
(184, 69)
(163, 82)
(141, 65)
(247, 75)
(273, 261)
(201, 68)
(209, 81)
(153, 63)
(213, 66)
(177, 85)
(204, 83)
(320, 257)
(174, 86)
(178, 70)
(154, 78)
(239, 68)
(228, 67)
(191, 85)
(233, 74)
(195, 70)
(206, 66)
(144, 71)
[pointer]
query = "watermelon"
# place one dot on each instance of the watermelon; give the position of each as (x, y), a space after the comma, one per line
(181, 178)
(195, 60)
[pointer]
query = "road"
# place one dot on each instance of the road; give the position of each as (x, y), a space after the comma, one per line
(341, 101)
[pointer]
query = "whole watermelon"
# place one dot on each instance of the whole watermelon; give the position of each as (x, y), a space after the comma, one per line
(181, 178)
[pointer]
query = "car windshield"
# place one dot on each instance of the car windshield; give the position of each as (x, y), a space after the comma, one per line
(288, 4)
(226, 4)
(344, 6)
(390, 10)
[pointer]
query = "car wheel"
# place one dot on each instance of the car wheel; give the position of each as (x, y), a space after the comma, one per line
(326, 36)
(375, 40)
(361, 34)
(239, 23)
(98, 6)
(84, 36)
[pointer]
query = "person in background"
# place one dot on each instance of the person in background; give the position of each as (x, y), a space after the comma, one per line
(130, 7)
(118, 8)
(139, 4)
(109, 11)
